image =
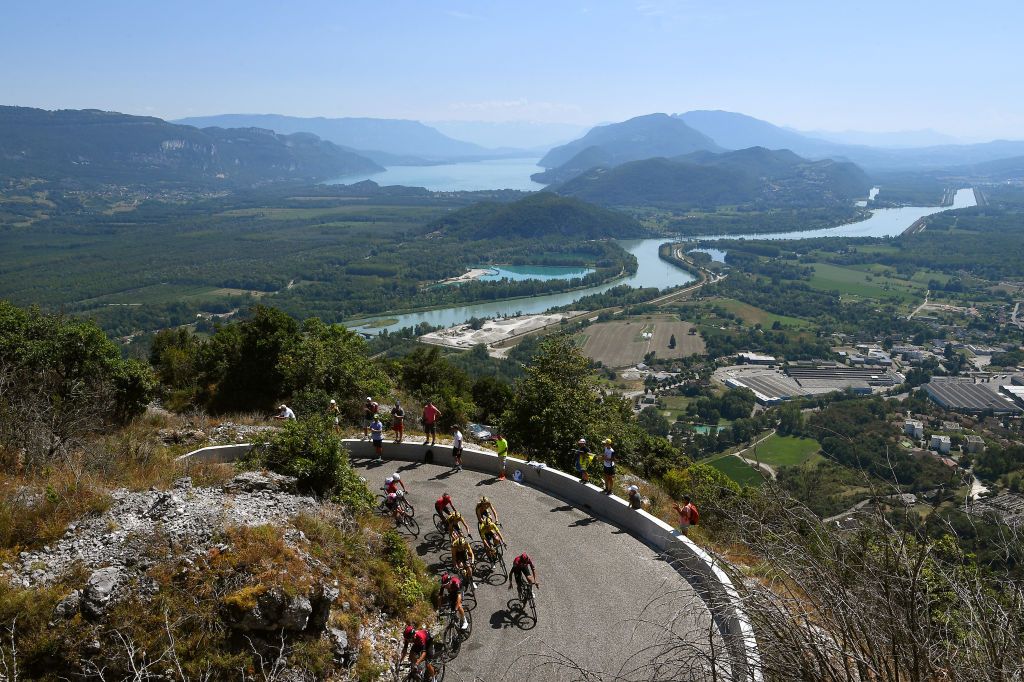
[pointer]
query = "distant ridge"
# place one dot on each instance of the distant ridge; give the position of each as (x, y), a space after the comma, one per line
(638, 138)
(97, 147)
(755, 177)
(395, 137)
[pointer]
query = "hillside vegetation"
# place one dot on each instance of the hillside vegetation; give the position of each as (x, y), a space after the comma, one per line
(755, 177)
(91, 147)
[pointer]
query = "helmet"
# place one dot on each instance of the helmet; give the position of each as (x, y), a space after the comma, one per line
(483, 498)
(376, 416)
(409, 632)
(392, 497)
(333, 401)
(607, 441)
(397, 477)
(445, 579)
(368, 399)
(446, 497)
(389, 480)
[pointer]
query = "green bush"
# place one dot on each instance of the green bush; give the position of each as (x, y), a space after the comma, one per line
(310, 451)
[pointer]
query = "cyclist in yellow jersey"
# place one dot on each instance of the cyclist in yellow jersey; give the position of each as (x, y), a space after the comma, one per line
(462, 557)
(452, 523)
(485, 508)
(491, 535)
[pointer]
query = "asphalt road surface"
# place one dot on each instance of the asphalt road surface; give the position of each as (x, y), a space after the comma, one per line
(607, 603)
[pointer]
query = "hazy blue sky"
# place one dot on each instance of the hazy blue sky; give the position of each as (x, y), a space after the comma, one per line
(899, 64)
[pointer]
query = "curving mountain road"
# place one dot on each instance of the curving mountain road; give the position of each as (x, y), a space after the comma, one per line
(607, 602)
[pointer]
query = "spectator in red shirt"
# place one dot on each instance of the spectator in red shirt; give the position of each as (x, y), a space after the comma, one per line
(430, 416)
(688, 514)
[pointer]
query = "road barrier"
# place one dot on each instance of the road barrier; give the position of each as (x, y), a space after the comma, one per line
(695, 564)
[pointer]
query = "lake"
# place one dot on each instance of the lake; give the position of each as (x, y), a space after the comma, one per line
(519, 273)
(470, 176)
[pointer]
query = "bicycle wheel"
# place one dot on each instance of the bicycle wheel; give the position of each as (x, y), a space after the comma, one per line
(407, 506)
(382, 508)
(439, 524)
(411, 523)
(501, 562)
(451, 638)
(531, 602)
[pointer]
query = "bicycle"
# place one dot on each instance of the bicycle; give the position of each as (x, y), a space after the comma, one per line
(403, 503)
(453, 635)
(417, 673)
(526, 598)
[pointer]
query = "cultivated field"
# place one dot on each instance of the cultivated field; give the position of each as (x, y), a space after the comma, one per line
(622, 344)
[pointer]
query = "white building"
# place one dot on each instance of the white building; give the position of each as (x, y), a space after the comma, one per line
(914, 429)
(941, 444)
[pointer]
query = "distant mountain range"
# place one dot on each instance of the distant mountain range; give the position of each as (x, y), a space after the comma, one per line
(528, 136)
(98, 147)
(387, 141)
(738, 131)
(755, 177)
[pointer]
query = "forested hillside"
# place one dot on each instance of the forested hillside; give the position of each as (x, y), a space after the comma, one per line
(755, 177)
(90, 148)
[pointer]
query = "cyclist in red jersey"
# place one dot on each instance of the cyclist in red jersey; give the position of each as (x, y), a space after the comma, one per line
(392, 483)
(523, 567)
(417, 643)
(451, 589)
(442, 505)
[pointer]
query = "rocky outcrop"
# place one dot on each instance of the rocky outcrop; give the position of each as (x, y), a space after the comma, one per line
(142, 526)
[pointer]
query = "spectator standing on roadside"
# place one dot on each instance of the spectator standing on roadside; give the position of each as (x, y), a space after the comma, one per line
(502, 445)
(398, 421)
(334, 414)
(430, 416)
(635, 501)
(581, 460)
(609, 466)
(370, 409)
(377, 433)
(457, 447)
(688, 514)
(285, 413)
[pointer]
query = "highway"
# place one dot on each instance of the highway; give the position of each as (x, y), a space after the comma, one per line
(607, 602)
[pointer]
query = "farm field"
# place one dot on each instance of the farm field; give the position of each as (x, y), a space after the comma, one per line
(738, 470)
(621, 343)
(784, 451)
(854, 282)
(675, 405)
(753, 315)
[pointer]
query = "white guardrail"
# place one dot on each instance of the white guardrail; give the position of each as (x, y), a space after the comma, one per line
(691, 561)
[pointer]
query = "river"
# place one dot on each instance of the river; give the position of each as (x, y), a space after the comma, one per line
(652, 271)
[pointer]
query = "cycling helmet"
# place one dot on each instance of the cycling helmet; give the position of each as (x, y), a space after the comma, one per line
(389, 480)
(392, 497)
(376, 416)
(483, 498)
(409, 632)
(397, 477)
(445, 579)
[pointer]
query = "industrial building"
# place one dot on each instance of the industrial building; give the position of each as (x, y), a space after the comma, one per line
(963, 395)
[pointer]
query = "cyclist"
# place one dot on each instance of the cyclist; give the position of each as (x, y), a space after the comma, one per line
(391, 503)
(393, 482)
(463, 557)
(490, 535)
(452, 523)
(485, 508)
(523, 567)
(418, 643)
(451, 589)
(442, 505)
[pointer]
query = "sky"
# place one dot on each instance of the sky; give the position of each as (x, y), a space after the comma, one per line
(809, 64)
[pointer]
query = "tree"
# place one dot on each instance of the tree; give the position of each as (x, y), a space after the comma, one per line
(329, 361)
(242, 362)
(61, 379)
(653, 422)
(491, 396)
(555, 403)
